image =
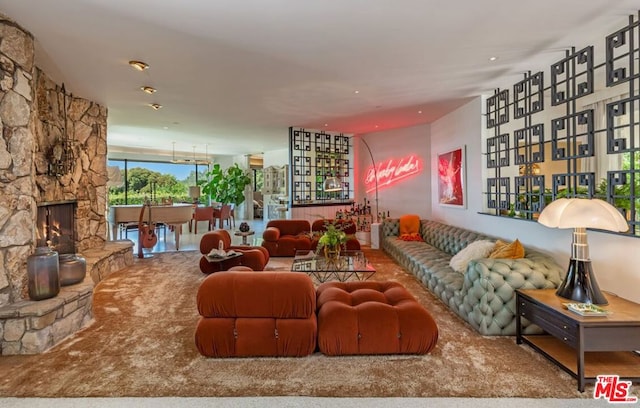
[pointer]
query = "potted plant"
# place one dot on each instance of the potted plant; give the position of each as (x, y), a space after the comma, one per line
(332, 240)
(226, 186)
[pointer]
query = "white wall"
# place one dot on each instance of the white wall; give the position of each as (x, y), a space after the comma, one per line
(615, 258)
(409, 196)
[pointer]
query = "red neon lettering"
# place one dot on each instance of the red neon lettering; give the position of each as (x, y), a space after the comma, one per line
(391, 171)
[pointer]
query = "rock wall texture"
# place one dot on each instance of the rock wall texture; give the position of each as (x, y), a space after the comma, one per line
(33, 120)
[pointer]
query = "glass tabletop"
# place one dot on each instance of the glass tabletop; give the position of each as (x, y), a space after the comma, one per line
(350, 265)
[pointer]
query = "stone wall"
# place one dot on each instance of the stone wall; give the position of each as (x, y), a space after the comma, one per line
(86, 124)
(32, 121)
(17, 185)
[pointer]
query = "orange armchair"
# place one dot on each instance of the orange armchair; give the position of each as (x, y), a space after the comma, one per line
(285, 237)
(255, 258)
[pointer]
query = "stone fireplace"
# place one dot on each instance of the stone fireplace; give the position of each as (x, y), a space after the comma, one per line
(38, 117)
(55, 226)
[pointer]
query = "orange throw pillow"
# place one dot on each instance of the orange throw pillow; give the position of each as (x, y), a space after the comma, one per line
(410, 228)
(505, 250)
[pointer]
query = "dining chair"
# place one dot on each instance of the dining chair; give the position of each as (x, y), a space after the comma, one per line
(203, 214)
(223, 215)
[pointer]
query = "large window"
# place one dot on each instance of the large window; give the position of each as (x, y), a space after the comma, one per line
(156, 181)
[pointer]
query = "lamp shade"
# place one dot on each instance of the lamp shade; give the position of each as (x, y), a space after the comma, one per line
(332, 184)
(582, 213)
(194, 191)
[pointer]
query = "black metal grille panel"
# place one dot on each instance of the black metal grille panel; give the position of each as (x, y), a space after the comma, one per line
(572, 136)
(580, 147)
(498, 109)
(528, 96)
(498, 151)
(622, 53)
(530, 144)
(572, 77)
(315, 155)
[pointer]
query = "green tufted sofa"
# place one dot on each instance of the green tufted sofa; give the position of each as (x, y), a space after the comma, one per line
(484, 295)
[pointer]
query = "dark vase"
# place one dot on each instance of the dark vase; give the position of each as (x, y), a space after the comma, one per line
(73, 269)
(244, 227)
(42, 273)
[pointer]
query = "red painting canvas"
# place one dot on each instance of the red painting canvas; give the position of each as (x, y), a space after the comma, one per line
(451, 178)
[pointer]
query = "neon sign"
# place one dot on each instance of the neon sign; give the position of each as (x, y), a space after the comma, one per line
(391, 171)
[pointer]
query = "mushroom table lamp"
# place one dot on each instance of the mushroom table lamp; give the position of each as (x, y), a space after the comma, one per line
(580, 213)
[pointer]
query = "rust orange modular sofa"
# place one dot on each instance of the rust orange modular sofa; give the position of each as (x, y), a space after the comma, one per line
(256, 314)
(285, 237)
(372, 318)
(253, 257)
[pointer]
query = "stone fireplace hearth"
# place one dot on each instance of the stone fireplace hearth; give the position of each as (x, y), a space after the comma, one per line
(55, 223)
(37, 117)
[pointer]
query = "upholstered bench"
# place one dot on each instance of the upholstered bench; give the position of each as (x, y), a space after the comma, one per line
(372, 318)
(256, 314)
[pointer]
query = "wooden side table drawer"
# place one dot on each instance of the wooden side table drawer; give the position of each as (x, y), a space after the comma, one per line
(553, 323)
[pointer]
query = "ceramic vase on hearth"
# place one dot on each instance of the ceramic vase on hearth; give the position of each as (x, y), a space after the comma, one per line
(73, 269)
(43, 274)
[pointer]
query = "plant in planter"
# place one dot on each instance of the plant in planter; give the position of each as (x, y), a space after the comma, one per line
(226, 186)
(332, 239)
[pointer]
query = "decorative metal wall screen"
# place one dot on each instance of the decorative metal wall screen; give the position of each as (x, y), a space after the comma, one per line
(570, 160)
(315, 155)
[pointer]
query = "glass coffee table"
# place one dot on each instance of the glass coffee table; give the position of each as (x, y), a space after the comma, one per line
(350, 265)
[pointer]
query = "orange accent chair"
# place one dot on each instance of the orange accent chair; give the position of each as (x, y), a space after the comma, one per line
(246, 314)
(285, 237)
(372, 318)
(348, 226)
(253, 257)
(202, 214)
(223, 214)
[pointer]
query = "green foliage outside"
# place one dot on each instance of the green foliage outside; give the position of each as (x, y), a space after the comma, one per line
(141, 182)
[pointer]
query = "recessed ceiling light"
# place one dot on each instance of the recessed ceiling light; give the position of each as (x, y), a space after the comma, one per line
(165, 127)
(376, 126)
(155, 106)
(148, 89)
(420, 111)
(326, 124)
(493, 58)
(356, 91)
(139, 65)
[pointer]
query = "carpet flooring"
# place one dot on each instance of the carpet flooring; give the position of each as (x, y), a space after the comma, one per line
(141, 345)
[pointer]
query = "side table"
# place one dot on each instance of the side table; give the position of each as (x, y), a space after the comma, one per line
(583, 346)
(244, 236)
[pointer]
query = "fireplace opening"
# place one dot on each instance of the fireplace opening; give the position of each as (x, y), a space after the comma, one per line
(56, 226)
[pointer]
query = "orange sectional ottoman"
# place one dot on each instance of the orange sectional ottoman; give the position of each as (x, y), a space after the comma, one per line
(256, 314)
(372, 318)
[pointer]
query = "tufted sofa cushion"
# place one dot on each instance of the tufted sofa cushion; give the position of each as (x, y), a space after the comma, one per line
(372, 318)
(246, 314)
(484, 295)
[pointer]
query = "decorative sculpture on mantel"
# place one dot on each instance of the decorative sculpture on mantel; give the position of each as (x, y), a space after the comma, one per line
(62, 157)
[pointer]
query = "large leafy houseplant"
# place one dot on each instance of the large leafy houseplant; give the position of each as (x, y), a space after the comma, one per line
(226, 186)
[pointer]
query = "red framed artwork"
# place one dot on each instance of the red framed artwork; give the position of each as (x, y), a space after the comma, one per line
(451, 178)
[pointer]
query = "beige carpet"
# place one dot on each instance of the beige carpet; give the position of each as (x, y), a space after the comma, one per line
(141, 344)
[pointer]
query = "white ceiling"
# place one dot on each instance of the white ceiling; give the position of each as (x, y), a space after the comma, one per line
(233, 75)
